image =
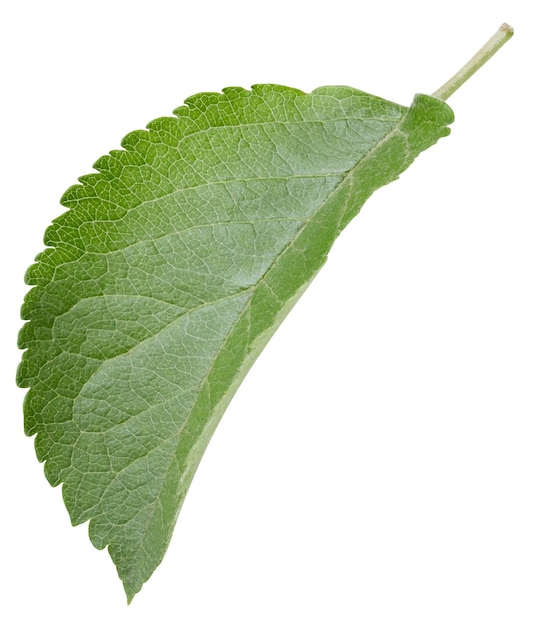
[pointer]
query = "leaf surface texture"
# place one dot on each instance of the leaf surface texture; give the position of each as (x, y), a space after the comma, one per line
(172, 268)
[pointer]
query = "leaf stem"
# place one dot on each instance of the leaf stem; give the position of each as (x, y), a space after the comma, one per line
(504, 33)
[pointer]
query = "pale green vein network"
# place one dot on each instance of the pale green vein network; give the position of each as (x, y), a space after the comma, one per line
(169, 273)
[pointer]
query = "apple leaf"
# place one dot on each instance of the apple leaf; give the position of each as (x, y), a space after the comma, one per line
(170, 271)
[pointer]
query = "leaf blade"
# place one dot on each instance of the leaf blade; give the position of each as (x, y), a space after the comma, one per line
(169, 273)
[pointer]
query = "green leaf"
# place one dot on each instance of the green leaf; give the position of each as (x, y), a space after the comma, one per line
(171, 270)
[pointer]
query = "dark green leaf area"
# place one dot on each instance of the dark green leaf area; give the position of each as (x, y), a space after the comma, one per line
(170, 271)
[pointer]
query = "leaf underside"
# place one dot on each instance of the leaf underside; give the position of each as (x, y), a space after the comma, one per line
(172, 268)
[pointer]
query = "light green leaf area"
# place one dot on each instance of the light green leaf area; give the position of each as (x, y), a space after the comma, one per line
(173, 266)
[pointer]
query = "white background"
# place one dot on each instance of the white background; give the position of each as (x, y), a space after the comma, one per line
(377, 466)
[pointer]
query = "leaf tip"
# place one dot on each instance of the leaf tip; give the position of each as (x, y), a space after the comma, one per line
(129, 597)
